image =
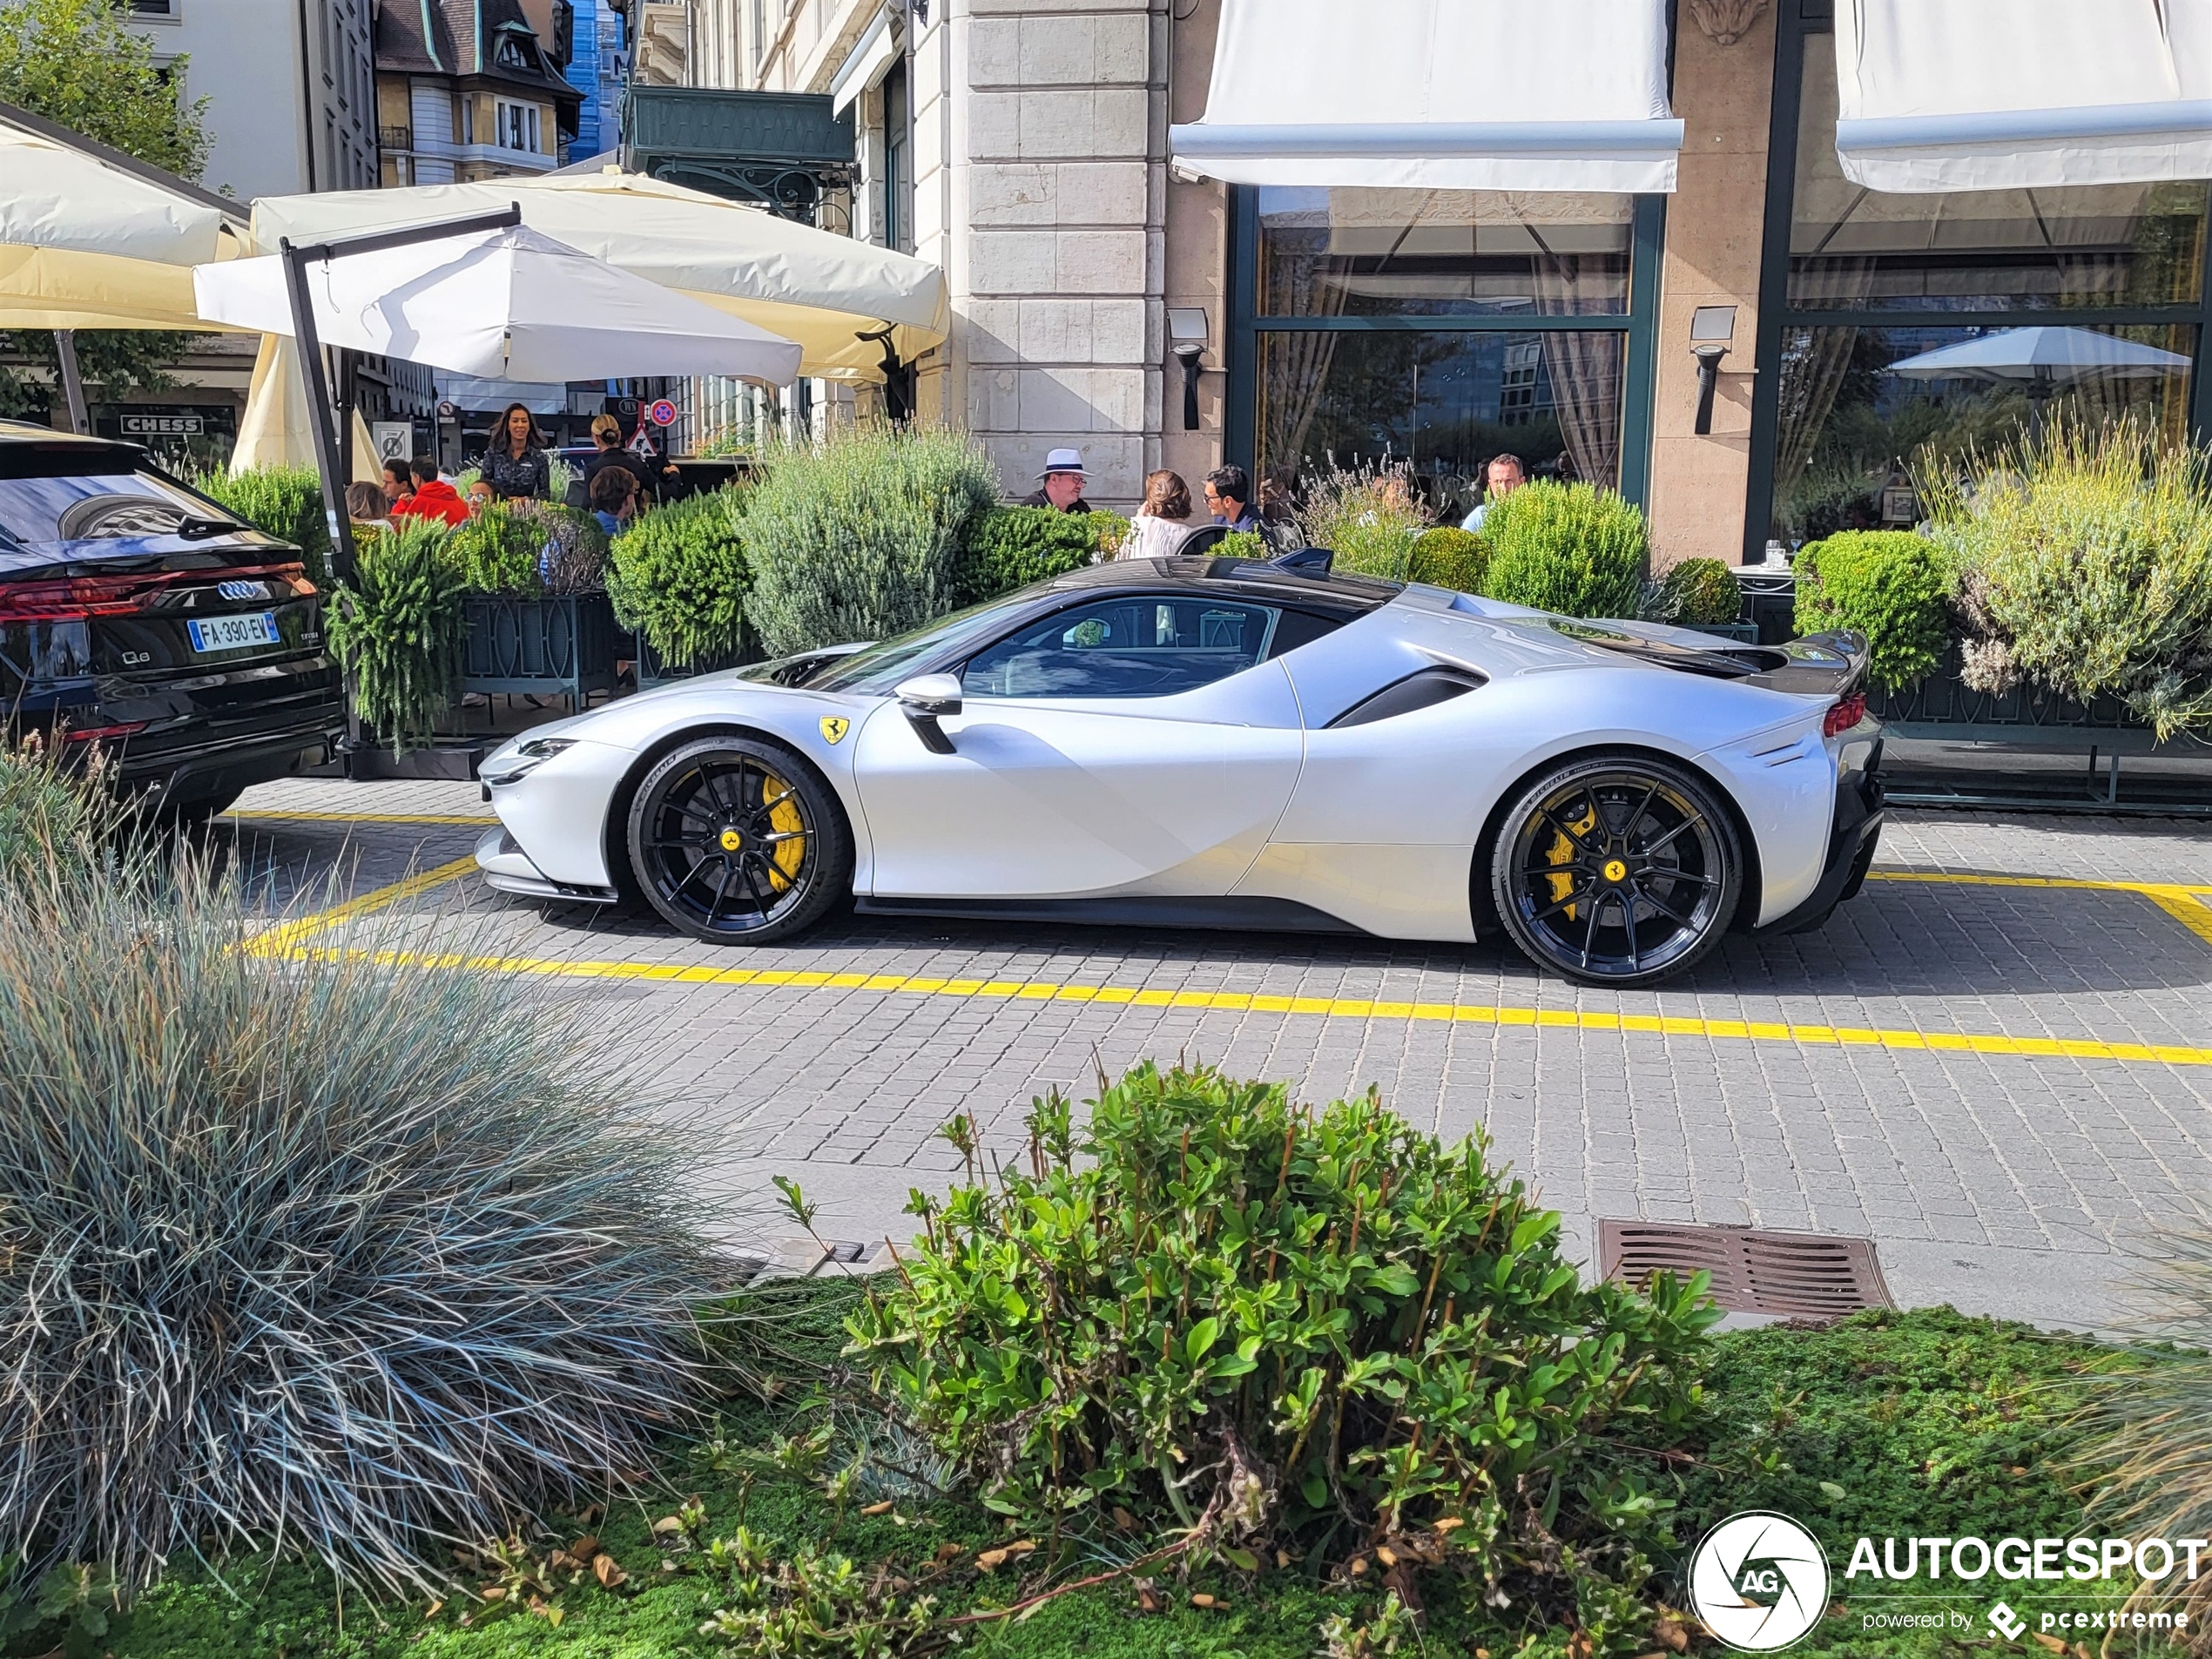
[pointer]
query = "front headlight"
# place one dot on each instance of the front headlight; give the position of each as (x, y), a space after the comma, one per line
(526, 758)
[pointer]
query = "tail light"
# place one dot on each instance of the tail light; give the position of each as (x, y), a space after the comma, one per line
(102, 733)
(1847, 713)
(81, 598)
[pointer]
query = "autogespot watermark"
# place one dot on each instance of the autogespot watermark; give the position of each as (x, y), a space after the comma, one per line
(1760, 1582)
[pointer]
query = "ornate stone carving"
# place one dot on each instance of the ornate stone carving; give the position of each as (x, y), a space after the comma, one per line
(1726, 21)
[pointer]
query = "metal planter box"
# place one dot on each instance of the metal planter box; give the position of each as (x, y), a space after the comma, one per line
(1944, 708)
(563, 645)
(651, 671)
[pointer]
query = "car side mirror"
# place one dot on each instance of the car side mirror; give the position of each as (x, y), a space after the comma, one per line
(922, 699)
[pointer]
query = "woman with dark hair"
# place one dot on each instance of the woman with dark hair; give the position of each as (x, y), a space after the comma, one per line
(515, 461)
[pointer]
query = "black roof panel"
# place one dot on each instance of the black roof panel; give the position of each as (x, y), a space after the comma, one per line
(1328, 589)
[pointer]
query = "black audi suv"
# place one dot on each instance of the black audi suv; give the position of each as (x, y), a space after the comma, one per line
(138, 615)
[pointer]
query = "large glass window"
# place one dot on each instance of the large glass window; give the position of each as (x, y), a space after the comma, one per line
(1908, 331)
(1424, 329)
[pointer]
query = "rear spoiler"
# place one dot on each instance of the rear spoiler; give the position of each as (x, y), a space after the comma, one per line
(1830, 664)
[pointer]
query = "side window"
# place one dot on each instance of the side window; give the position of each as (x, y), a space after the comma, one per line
(1128, 645)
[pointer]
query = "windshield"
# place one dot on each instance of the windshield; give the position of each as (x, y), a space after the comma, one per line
(882, 665)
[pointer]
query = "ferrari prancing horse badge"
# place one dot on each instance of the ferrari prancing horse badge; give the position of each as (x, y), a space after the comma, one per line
(834, 728)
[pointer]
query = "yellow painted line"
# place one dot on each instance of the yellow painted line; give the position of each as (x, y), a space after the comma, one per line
(1329, 1006)
(485, 819)
(287, 935)
(2179, 900)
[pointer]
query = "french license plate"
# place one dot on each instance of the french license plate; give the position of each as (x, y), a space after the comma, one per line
(233, 633)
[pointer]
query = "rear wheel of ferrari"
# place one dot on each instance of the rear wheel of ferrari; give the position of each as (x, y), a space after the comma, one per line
(738, 841)
(1618, 870)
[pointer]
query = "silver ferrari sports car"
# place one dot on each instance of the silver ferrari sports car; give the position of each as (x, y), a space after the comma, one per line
(1213, 742)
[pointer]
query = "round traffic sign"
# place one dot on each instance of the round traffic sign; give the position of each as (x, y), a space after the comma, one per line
(661, 414)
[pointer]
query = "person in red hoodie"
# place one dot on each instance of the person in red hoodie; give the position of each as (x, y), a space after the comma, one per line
(432, 497)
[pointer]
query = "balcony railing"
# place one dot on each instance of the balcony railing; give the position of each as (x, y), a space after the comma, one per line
(395, 137)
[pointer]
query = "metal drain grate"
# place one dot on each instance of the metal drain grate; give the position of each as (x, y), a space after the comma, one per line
(1754, 1270)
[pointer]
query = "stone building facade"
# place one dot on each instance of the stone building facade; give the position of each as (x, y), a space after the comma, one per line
(1024, 147)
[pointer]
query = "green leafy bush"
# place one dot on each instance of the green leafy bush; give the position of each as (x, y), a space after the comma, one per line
(284, 500)
(677, 577)
(1010, 547)
(1257, 1322)
(1242, 544)
(1888, 584)
(2085, 561)
(1367, 517)
(307, 1250)
(1448, 556)
(1701, 591)
(397, 629)
(1572, 548)
(861, 538)
(572, 546)
(496, 551)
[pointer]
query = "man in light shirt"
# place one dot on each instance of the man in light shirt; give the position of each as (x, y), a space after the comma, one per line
(1504, 476)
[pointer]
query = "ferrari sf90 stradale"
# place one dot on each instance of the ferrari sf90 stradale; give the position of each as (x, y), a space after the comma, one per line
(1205, 742)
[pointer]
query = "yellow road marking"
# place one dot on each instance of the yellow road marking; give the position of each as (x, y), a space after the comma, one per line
(2179, 900)
(288, 934)
(484, 819)
(1330, 1007)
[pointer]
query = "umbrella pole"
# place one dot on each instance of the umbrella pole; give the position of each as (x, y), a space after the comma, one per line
(80, 420)
(310, 346)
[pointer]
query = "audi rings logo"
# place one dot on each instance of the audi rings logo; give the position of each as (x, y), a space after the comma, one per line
(241, 589)
(1759, 1582)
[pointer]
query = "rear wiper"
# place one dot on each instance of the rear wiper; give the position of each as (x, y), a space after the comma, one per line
(193, 527)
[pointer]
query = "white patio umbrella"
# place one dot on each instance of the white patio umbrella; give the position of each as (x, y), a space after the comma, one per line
(825, 290)
(2041, 354)
(508, 304)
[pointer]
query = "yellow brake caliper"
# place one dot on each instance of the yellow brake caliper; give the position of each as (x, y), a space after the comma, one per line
(1563, 851)
(784, 818)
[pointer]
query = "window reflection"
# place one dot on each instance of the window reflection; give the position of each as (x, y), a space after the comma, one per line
(1330, 253)
(1851, 248)
(1442, 404)
(1854, 425)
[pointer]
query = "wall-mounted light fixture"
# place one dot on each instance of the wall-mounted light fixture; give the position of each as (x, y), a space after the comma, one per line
(1187, 339)
(1711, 329)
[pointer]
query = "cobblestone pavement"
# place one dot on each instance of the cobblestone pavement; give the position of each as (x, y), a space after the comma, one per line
(1997, 1062)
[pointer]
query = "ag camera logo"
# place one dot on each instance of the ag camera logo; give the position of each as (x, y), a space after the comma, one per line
(1759, 1582)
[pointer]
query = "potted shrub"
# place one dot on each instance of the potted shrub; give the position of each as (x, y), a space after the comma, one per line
(1704, 595)
(1572, 548)
(282, 501)
(1888, 585)
(396, 631)
(676, 577)
(536, 619)
(861, 538)
(1448, 556)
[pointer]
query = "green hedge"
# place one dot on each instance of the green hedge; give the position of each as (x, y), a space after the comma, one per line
(1450, 557)
(677, 577)
(497, 552)
(283, 501)
(1890, 586)
(397, 631)
(1010, 547)
(1701, 591)
(1571, 548)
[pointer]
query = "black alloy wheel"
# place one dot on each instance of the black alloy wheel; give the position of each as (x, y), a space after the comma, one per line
(1618, 870)
(737, 840)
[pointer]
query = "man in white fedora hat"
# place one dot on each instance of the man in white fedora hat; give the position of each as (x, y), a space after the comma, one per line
(1061, 484)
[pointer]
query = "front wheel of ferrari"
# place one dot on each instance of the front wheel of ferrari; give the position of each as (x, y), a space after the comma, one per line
(738, 841)
(1620, 870)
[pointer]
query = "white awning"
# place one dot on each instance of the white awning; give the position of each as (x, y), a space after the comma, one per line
(869, 61)
(1940, 95)
(1439, 95)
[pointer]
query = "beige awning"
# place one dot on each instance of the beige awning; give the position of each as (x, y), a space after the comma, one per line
(807, 285)
(274, 431)
(91, 238)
